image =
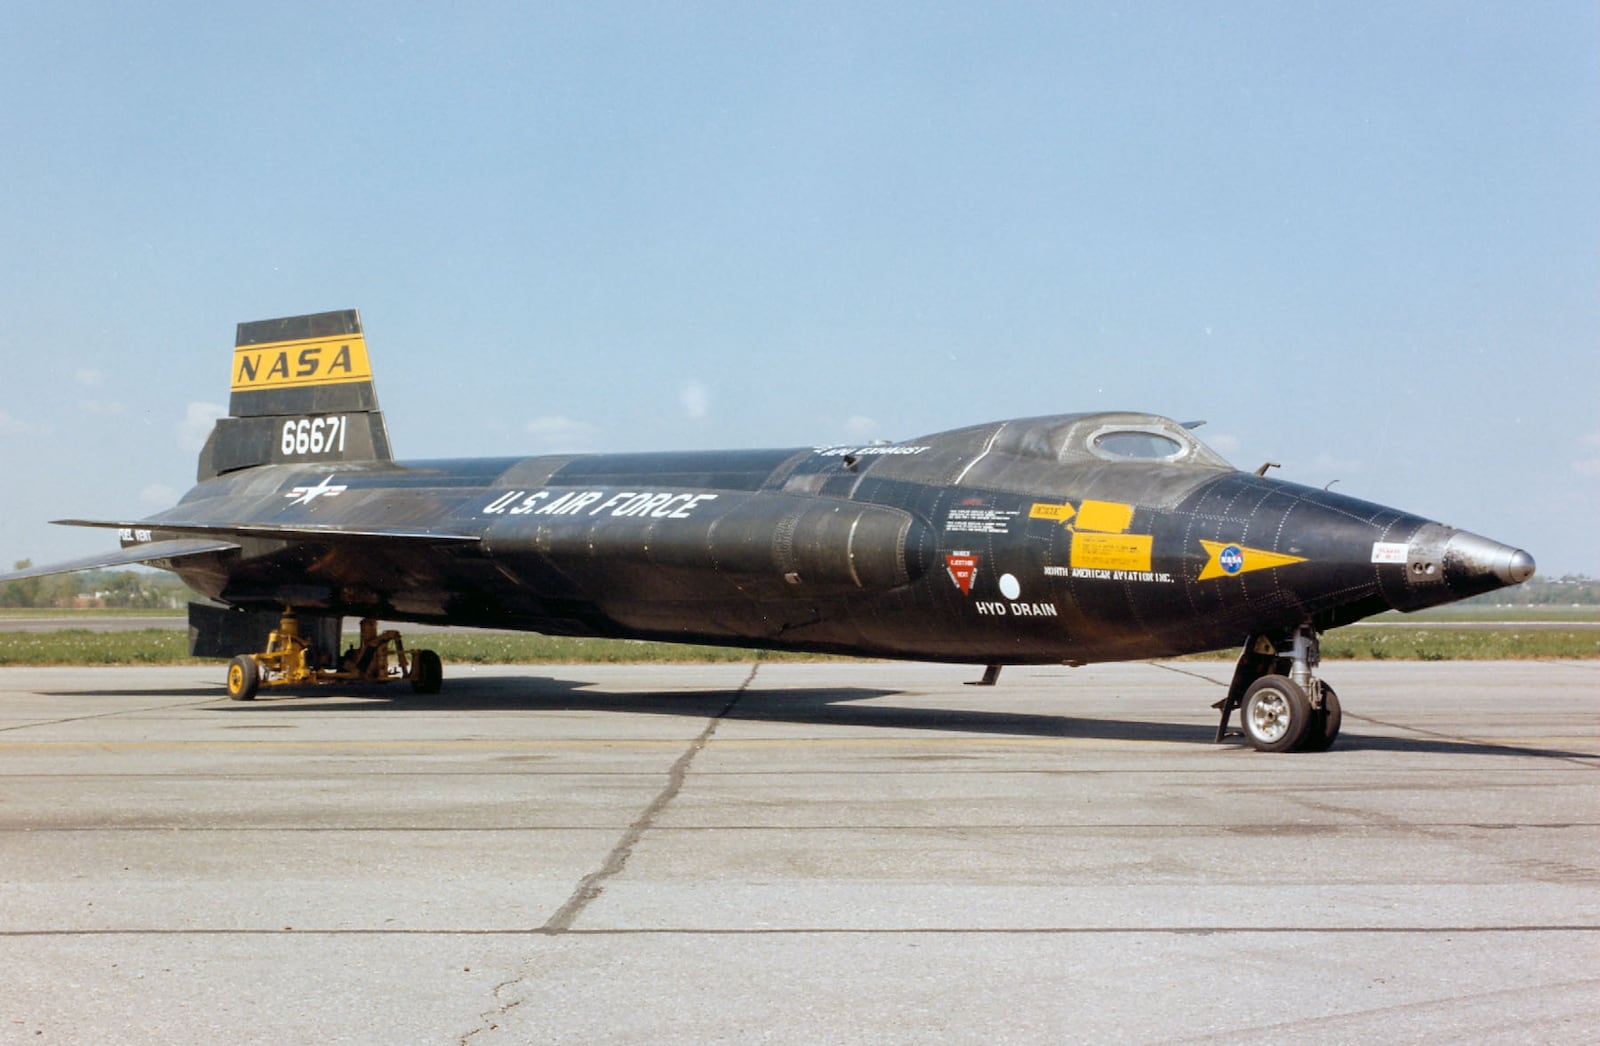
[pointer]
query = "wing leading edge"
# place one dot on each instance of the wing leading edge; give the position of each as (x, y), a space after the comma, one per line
(151, 553)
(204, 539)
(281, 531)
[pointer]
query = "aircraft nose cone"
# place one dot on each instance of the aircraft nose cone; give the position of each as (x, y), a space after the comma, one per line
(1473, 556)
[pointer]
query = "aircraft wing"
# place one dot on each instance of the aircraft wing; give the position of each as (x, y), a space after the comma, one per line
(148, 553)
(202, 539)
(279, 531)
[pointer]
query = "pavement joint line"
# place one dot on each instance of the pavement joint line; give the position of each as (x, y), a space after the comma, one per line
(1231, 772)
(815, 931)
(1362, 828)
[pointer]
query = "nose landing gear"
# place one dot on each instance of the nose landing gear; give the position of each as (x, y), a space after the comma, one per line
(291, 660)
(1283, 706)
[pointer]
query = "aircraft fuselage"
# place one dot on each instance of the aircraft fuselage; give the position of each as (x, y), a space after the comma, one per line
(817, 549)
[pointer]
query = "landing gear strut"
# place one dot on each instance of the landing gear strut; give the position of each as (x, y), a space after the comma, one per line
(291, 660)
(1282, 705)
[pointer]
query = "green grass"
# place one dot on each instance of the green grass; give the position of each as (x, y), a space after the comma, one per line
(34, 613)
(1385, 643)
(77, 646)
(154, 646)
(1468, 612)
(168, 647)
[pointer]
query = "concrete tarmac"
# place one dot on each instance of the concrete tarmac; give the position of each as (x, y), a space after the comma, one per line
(792, 853)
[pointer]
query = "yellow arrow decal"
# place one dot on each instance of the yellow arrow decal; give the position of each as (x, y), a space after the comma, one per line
(1229, 559)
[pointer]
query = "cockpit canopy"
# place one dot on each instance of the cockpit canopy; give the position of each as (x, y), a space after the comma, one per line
(1120, 436)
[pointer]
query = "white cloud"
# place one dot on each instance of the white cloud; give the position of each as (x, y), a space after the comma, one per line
(198, 418)
(1589, 463)
(9, 424)
(88, 376)
(696, 399)
(860, 427)
(559, 434)
(158, 494)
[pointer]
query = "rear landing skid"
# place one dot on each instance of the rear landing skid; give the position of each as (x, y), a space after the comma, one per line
(291, 660)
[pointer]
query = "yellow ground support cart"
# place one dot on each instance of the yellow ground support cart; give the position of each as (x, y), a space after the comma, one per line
(291, 660)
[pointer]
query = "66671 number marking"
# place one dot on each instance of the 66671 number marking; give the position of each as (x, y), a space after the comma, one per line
(313, 435)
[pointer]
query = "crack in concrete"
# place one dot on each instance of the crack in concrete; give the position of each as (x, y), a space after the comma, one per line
(593, 884)
(35, 724)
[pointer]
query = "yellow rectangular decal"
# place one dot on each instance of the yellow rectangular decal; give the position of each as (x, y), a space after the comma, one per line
(1059, 513)
(300, 364)
(1111, 551)
(1111, 517)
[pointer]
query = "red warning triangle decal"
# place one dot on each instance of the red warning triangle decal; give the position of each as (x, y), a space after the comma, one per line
(963, 567)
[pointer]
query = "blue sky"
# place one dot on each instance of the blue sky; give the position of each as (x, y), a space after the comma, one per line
(1362, 240)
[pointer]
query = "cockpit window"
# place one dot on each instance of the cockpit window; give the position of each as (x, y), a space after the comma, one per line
(1136, 445)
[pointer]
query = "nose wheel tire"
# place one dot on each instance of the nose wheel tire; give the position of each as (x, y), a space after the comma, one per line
(244, 678)
(1324, 726)
(1276, 714)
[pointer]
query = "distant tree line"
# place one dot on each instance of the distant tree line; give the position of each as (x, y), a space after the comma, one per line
(135, 589)
(1546, 591)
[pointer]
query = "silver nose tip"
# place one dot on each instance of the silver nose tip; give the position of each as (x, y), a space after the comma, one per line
(1519, 569)
(1474, 555)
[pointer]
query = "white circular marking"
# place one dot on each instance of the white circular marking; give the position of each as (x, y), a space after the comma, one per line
(1010, 587)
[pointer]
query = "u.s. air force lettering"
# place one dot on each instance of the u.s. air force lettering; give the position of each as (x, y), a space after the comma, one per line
(622, 503)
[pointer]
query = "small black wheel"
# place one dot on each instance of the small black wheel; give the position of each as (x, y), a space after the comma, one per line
(1325, 723)
(244, 678)
(427, 673)
(1276, 714)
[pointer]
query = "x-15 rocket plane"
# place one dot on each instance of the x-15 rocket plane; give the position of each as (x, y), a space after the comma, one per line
(1071, 539)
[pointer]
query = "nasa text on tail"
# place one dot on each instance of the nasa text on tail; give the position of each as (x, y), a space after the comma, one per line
(1071, 539)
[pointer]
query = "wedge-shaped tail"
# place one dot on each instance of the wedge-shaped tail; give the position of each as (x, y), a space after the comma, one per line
(302, 393)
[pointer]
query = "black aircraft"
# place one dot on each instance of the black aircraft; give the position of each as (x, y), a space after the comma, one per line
(1066, 539)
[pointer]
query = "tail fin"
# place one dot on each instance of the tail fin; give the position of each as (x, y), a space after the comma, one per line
(302, 392)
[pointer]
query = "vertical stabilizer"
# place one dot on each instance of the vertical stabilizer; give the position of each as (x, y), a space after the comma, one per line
(302, 393)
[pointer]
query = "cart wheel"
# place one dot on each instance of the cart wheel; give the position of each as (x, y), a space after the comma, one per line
(244, 678)
(427, 673)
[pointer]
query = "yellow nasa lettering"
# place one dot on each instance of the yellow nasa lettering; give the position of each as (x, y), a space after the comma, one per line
(300, 364)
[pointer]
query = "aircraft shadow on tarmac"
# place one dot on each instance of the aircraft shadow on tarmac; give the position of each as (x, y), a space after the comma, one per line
(820, 706)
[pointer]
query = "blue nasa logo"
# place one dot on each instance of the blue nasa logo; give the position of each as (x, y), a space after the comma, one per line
(1231, 559)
